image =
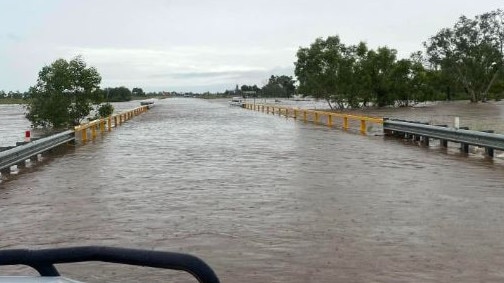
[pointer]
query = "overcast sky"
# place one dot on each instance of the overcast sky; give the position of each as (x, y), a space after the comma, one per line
(189, 45)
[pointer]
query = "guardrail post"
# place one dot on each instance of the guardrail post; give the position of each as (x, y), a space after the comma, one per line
(102, 126)
(84, 135)
(464, 147)
(425, 140)
(295, 113)
(316, 119)
(286, 112)
(444, 143)
(280, 111)
(363, 127)
(488, 150)
(109, 122)
(386, 132)
(93, 131)
(329, 120)
(345, 123)
(304, 115)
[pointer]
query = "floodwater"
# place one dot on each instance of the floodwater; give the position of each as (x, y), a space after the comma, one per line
(12, 124)
(262, 198)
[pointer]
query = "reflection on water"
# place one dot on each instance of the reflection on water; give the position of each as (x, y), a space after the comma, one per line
(264, 199)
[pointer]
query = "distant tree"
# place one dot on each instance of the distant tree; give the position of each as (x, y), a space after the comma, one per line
(353, 76)
(15, 94)
(379, 67)
(64, 94)
(279, 86)
(105, 110)
(273, 90)
(237, 91)
(118, 94)
(323, 70)
(249, 88)
(470, 53)
(136, 91)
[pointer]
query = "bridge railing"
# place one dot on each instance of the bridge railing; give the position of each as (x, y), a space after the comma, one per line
(90, 130)
(346, 121)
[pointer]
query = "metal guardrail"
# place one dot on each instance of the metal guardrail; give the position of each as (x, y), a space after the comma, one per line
(464, 137)
(23, 152)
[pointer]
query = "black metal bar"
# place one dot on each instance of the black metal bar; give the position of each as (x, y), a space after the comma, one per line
(43, 260)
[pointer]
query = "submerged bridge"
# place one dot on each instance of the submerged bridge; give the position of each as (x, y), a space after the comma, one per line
(408, 130)
(31, 150)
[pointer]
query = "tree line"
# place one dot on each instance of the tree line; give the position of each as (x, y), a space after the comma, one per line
(277, 86)
(465, 61)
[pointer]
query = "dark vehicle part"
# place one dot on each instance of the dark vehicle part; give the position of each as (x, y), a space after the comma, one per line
(43, 260)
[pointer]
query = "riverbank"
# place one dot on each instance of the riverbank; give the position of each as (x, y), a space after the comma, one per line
(12, 101)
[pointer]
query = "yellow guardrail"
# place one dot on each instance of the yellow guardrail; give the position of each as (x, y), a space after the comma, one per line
(105, 124)
(316, 116)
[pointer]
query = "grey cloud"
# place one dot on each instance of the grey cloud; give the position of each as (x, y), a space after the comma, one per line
(210, 74)
(257, 76)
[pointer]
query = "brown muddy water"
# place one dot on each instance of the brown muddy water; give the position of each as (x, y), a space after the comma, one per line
(263, 198)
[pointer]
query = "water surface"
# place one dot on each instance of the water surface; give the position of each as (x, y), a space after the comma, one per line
(262, 198)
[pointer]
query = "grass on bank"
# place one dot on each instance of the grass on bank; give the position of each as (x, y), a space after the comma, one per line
(12, 101)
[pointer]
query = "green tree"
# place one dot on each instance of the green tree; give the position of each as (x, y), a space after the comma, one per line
(136, 91)
(322, 70)
(64, 94)
(279, 86)
(470, 53)
(118, 94)
(379, 67)
(105, 110)
(273, 90)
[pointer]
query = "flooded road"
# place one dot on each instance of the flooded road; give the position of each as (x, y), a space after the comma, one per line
(262, 198)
